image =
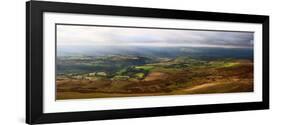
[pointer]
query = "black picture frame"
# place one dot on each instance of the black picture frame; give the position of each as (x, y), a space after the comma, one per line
(34, 61)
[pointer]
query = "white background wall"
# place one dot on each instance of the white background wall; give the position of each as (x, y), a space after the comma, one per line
(12, 64)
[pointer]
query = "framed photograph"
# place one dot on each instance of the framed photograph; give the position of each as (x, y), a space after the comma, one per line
(95, 62)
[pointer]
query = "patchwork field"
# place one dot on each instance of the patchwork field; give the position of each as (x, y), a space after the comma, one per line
(124, 76)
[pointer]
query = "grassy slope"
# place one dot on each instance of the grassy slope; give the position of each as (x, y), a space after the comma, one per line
(181, 76)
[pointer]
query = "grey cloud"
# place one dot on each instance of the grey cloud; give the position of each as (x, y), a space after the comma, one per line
(92, 35)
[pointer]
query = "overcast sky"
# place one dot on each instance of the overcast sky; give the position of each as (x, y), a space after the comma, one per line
(68, 35)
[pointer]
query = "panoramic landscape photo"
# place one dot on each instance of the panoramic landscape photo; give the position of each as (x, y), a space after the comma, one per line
(108, 61)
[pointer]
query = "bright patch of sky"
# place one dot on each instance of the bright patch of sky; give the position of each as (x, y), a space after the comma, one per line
(73, 35)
